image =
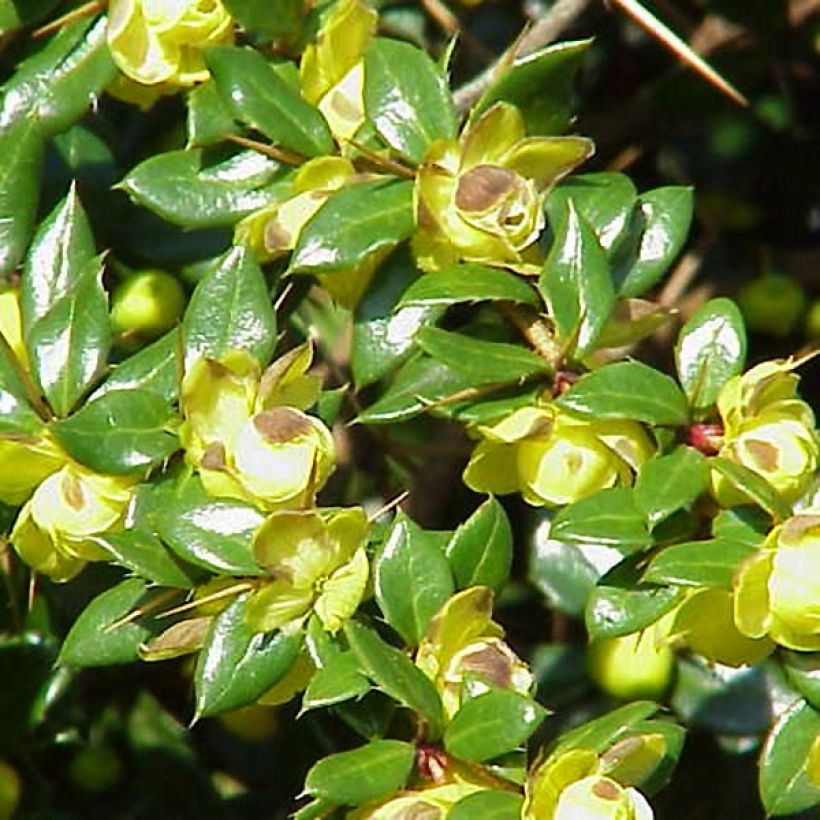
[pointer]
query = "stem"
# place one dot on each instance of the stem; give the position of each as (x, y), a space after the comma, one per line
(281, 154)
(86, 10)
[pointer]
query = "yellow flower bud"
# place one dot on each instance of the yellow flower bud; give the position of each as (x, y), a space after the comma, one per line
(161, 41)
(11, 325)
(318, 564)
(552, 458)
(24, 464)
(600, 798)
(480, 199)
(777, 590)
(549, 778)
(55, 531)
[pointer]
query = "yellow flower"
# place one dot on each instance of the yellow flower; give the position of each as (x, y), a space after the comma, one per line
(247, 434)
(24, 464)
(463, 640)
(55, 531)
(480, 199)
(553, 458)
(332, 68)
(11, 325)
(768, 430)
(317, 564)
(160, 42)
(573, 786)
(777, 590)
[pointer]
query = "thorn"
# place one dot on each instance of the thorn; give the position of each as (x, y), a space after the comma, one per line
(86, 10)
(280, 154)
(390, 505)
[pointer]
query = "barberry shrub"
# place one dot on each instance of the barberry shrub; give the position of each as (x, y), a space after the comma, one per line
(374, 276)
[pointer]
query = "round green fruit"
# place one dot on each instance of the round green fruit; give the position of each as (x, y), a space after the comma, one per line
(10, 789)
(772, 304)
(813, 321)
(95, 769)
(147, 304)
(631, 667)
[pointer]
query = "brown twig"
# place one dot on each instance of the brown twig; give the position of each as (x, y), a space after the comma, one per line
(86, 10)
(281, 154)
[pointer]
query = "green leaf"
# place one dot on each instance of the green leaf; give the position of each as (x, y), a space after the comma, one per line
(267, 20)
(156, 368)
(753, 485)
(261, 99)
(628, 390)
(467, 283)
(360, 775)
(488, 805)
(338, 681)
(749, 525)
(599, 734)
(413, 579)
(383, 334)
(182, 189)
(480, 550)
(576, 283)
(406, 98)
(663, 218)
(60, 251)
(69, 345)
(803, 670)
(353, 223)
(124, 431)
(396, 675)
(237, 665)
(21, 154)
(698, 563)
(540, 86)
(230, 309)
(610, 517)
(786, 786)
(214, 534)
(665, 484)
(210, 119)
(15, 14)
(491, 725)
(18, 416)
(91, 641)
(482, 361)
(420, 381)
(711, 349)
(605, 200)
(145, 555)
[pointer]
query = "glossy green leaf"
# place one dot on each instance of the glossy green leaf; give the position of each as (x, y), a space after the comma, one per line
(540, 86)
(576, 283)
(230, 310)
(609, 518)
(260, 98)
(406, 98)
(21, 154)
(156, 368)
(15, 14)
(613, 611)
(667, 483)
(753, 485)
(237, 665)
(605, 200)
(382, 333)
(267, 20)
(412, 579)
(18, 416)
(786, 785)
(181, 188)
(467, 283)
(749, 525)
(482, 361)
(123, 431)
(353, 223)
(711, 349)
(711, 563)
(803, 670)
(61, 249)
(480, 550)
(69, 344)
(420, 382)
(396, 675)
(663, 219)
(367, 773)
(145, 555)
(214, 534)
(210, 118)
(628, 390)
(92, 642)
(488, 805)
(599, 734)
(492, 724)
(338, 681)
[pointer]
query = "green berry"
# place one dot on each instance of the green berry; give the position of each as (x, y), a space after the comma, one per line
(147, 304)
(772, 304)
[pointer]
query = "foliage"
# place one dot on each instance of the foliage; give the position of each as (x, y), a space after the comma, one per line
(195, 479)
